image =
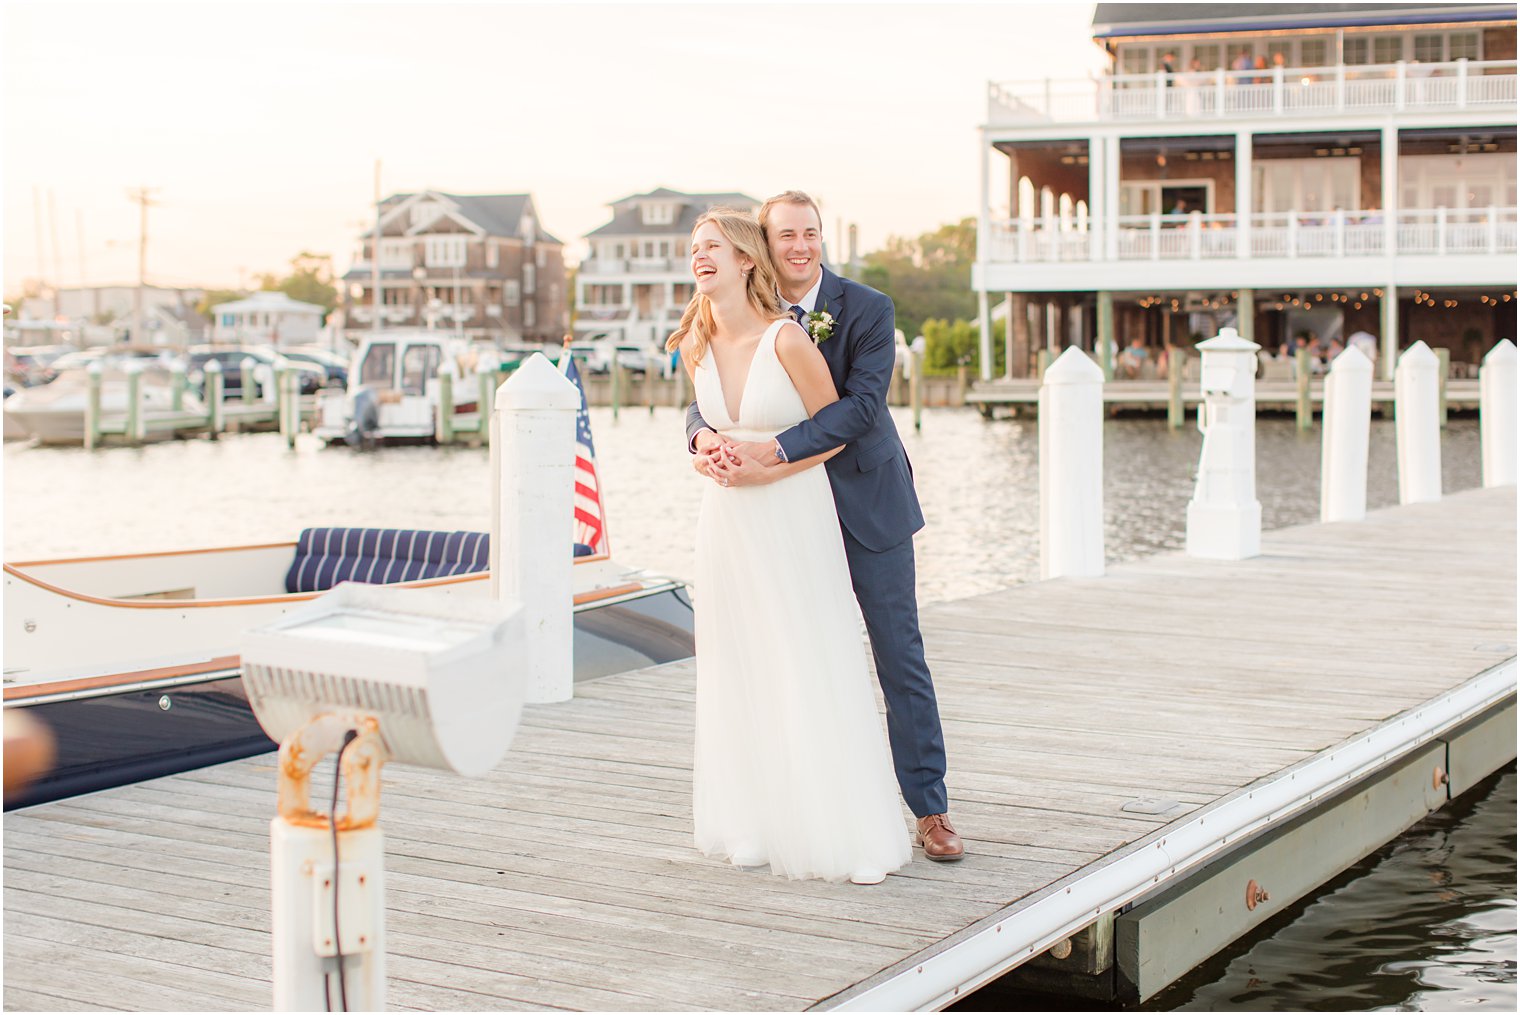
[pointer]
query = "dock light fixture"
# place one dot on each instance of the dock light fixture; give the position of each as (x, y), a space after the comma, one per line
(373, 674)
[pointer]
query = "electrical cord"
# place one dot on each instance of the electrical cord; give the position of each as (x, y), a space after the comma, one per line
(332, 822)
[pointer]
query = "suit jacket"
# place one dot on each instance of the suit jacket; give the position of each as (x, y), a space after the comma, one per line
(871, 477)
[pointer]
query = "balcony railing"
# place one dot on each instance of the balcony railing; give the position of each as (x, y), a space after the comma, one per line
(1437, 231)
(1273, 91)
(630, 266)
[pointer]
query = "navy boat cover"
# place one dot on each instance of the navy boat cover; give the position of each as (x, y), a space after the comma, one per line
(326, 556)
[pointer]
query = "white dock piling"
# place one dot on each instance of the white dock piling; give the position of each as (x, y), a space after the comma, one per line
(1417, 425)
(92, 406)
(1071, 468)
(177, 385)
(1347, 423)
(215, 387)
(245, 378)
(533, 473)
(1496, 414)
(1224, 516)
(136, 427)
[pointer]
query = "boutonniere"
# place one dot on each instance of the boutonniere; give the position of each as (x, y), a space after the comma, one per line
(820, 325)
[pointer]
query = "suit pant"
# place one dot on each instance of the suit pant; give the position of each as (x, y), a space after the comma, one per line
(885, 588)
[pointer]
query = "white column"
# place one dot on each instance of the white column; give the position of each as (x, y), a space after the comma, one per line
(1245, 201)
(1496, 414)
(1111, 186)
(984, 322)
(1417, 425)
(1347, 422)
(983, 242)
(533, 528)
(1390, 168)
(1224, 516)
(1071, 468)
(1097, 199)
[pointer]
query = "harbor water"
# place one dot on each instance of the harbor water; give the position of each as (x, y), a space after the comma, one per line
(1428, 922)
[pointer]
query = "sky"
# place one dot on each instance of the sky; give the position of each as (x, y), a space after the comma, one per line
(258, 126)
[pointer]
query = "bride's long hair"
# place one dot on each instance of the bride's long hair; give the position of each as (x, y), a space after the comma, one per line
(741, 230)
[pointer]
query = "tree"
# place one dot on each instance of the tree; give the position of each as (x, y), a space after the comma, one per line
(928, 277)
(215, 296)
(310, 280)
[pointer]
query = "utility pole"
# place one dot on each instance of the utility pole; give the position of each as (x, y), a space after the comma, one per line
(57, 251)
(41, 249)
(144, 198)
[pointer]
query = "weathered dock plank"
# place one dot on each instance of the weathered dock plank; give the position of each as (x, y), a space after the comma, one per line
(566, 878)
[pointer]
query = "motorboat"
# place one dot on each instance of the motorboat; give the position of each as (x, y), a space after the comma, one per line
(132, 660)
(54, 413)
(393, 388)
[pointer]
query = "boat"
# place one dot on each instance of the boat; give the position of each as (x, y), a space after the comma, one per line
(392, 391)
(54, 413)
(132, 660)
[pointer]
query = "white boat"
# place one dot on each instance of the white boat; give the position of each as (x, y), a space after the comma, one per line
(392, 392)
(133, 662)
(53, 413)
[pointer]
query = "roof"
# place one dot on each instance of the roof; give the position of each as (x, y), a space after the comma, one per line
(497, 214)
(1120, 20)
(269, 302)
(627, 221)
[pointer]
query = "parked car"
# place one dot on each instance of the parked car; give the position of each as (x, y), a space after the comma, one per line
(313, 377)
(333, 364)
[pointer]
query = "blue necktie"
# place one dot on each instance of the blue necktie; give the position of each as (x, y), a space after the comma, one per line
(800, 314)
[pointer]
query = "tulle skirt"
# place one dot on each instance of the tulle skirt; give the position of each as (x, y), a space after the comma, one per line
(792, 768)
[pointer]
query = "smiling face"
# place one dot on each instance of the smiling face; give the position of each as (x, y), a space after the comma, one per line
(796, 240)
(716, 265)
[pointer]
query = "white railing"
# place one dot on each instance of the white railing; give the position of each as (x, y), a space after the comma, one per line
(1337, 234)
(632, 265)
(1270, 91)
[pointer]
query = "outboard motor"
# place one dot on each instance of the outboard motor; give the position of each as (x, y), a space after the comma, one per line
(364, 421)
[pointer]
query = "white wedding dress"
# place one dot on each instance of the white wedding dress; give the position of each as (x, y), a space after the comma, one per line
(792, 767)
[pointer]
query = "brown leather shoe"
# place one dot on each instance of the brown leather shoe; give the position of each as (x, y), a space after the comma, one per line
(939, 839)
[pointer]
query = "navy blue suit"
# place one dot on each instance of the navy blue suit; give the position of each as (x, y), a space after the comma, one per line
(879, 513)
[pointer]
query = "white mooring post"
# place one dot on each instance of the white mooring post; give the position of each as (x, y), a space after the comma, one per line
(1417, 424)
(533, 530)
(1347, 422)
(1071, 468)
(136, 427)
(1224, 516)
(1496, 414)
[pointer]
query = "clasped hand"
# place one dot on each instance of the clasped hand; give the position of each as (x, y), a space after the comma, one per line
(730, 463)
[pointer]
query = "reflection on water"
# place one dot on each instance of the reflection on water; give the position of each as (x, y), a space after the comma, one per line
(1431, 924)
(979, 484)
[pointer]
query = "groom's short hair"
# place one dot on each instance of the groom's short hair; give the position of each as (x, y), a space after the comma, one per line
(787, 197)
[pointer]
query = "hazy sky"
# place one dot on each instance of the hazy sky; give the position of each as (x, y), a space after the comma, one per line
(259, 124)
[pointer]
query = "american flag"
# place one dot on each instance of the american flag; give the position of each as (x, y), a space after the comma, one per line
(590, 519)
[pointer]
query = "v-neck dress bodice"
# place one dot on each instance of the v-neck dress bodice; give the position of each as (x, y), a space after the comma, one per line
(768, 401)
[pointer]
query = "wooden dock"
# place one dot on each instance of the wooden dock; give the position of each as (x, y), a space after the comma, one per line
(1093, 725)
(1023, 396)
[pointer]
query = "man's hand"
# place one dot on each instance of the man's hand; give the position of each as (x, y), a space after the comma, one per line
(760, 452)
(728, 469)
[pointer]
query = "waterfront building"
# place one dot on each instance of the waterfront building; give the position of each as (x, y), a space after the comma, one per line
(635, 282)
(480, 265)
(1285, 168)
(266, 318)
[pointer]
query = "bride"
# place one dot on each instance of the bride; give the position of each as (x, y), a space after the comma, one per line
(791, 766)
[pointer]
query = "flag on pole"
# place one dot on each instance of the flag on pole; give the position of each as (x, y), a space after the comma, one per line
(590, 519)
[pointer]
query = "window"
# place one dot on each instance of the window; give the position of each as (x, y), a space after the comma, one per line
(512, 290)
(395, 297)
(1313, 53)
(1462, 46)
(1240, 54)
(1430, 48)
(1207, 57)
(1387, 48)
(424, 212)
(1280, 48)
(541, 256)
(1135, 60)
(395, 253)
(445, 251)
(530, 278)
(659, 214)
(1357, 49)
(419, 363)
(529, 230)
(379, 365)
(493, 253)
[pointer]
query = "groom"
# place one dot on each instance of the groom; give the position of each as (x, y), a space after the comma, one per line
(873, 493)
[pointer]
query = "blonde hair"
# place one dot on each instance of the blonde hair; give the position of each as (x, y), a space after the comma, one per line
(741, 230)
(787, 197)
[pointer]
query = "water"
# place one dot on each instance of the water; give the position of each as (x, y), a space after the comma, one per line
(1428, 923)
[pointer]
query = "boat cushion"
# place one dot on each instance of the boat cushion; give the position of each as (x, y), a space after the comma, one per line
(326, 556)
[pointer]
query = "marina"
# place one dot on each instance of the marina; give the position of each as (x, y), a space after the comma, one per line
(521, 889)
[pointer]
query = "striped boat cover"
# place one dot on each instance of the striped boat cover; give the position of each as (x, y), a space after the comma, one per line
(324, 557)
